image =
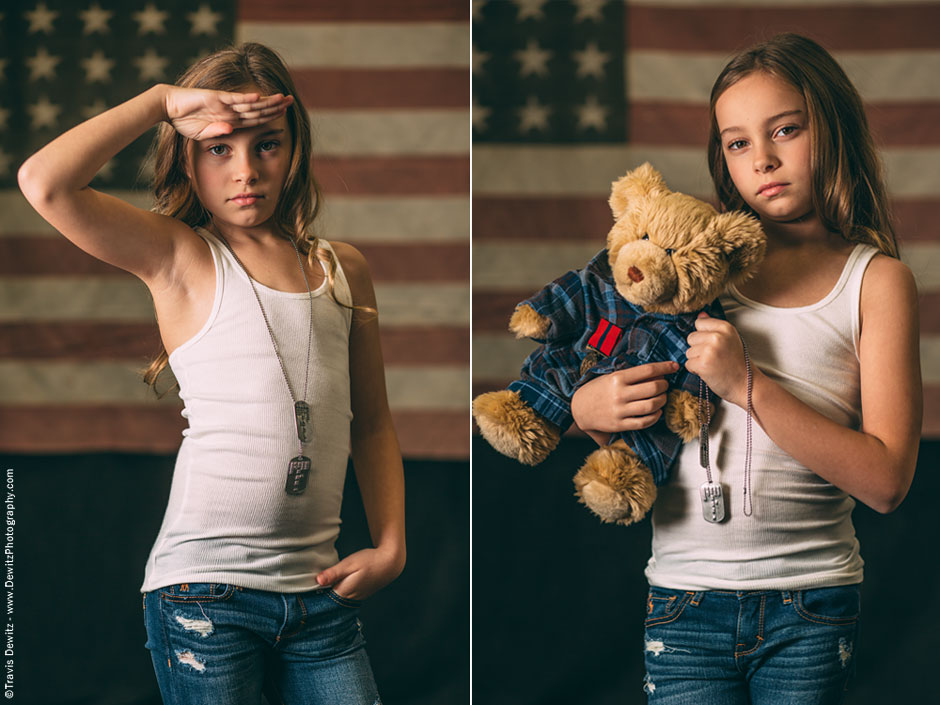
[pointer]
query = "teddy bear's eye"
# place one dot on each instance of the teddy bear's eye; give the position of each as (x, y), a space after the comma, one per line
(645, 236)
(669, 250)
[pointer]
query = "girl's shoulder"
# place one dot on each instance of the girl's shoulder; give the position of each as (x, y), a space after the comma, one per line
(888, 286)
(357, 272)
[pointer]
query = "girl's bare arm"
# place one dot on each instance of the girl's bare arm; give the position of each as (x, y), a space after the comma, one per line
(55, 179)
(875, 464)
(375, 451)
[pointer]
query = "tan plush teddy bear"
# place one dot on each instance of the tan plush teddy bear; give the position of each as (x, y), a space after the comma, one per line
(668, 257)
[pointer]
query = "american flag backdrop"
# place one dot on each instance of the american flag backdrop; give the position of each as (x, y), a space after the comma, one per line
(569, 95)
(387, 85)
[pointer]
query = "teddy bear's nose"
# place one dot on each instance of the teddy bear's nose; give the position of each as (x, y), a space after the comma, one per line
(635, 274)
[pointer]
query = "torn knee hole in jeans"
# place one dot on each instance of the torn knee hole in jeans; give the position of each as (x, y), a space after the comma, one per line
(190, 659)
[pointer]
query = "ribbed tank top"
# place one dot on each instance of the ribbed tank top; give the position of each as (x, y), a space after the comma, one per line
(800, 534)
(229, 519)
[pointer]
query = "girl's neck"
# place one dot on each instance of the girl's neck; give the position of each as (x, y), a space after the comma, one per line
(260, 235)
(806, 233)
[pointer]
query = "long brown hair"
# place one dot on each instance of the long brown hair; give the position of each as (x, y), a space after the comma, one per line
(231, 69)
(849, 194)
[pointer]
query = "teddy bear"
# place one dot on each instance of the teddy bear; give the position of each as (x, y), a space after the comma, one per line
(668, 258)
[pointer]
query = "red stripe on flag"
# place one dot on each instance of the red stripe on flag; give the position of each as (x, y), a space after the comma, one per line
(350, 89)
(595, 339)
(929, 308)
(389, 176)
(588, 218)
(140, 342)
(353, 11)
(725, 29)
(491, 311)
(158, 429)
(407, 262)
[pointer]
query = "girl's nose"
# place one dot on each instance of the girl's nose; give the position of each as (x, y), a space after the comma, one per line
(765, 160)
(245, 169)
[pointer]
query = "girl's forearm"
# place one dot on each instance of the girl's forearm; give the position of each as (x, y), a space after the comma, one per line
(859, 463)
(72, 159)
(377, 462)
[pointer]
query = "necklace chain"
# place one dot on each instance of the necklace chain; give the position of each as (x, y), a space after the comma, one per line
(705, 419)
(264, 315)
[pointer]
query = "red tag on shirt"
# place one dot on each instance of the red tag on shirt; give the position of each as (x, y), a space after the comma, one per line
(605, 337)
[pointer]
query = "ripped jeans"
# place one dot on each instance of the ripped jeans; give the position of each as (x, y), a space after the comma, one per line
(760, 647)
(221, 645)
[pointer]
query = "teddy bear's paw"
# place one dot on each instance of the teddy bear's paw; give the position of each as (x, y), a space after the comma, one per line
(513, 428)
(681, 414)
(526, 323)
(615, 485)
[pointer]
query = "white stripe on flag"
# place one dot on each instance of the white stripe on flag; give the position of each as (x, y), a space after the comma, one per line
(589, 170)
(127, 300)
(687, 77)
(49, 382)
(382, 133)
(359, 45)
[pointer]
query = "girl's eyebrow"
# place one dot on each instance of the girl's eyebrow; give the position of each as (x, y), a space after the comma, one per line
(268, 133)
(770, 119)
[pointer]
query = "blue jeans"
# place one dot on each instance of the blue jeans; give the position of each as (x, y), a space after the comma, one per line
(220, 644)
(791, 647)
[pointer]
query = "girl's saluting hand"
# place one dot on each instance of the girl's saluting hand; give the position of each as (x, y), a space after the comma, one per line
(716, 354)
(201, 114)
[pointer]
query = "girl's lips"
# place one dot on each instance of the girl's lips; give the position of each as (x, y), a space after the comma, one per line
(246, 200)
(771, 190)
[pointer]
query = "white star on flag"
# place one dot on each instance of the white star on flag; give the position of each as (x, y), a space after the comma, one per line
(533, 59)
(150, 19)
(479, 58)
(151, 65)
(96, 108)
(44, 113)
(533, 115)
(592, 114)
(40, 19)
(591, 61)
(98, 67)
(42, 65)
(204, 20)
(530, 8)
(589, 10)
(96, 19)
(480, 115)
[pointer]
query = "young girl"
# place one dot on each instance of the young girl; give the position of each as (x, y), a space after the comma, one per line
(764, 606)
(278, 361)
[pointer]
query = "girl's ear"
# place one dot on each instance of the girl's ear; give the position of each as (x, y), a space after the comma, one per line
(642, 182)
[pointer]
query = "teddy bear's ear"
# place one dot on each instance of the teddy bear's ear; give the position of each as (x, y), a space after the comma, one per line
(642, 182)
(743, 240)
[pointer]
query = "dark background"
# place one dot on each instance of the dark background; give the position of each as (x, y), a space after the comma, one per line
(558, 597)
(84, 528)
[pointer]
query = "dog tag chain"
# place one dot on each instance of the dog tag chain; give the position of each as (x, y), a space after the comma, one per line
(298, 469)
(712, 496)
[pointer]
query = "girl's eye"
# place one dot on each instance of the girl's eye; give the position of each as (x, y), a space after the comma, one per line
(214, 147)
(786, 130)
(268, 146)
(736, 145)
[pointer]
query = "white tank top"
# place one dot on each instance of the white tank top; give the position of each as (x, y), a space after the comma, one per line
(229, 519)
(800, 534)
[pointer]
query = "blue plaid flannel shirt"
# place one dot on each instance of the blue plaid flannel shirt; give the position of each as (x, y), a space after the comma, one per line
(577, 303)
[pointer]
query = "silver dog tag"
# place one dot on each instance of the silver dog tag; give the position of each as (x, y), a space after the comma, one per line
(302, 418)
(713, 502)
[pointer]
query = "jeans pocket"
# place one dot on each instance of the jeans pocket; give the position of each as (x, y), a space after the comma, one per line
(197, 592)
(831, 605)
(344, 601)
(664, 605)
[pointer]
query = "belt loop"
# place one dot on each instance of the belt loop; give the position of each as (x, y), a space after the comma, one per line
(787, 597)
(697, 598)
